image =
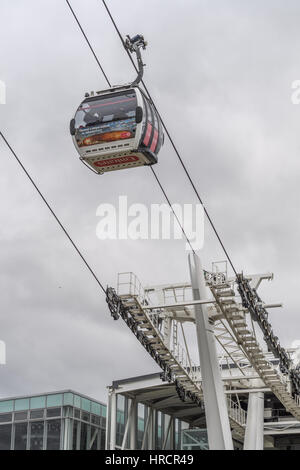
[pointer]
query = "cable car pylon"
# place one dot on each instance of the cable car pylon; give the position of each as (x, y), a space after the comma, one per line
(217, 418)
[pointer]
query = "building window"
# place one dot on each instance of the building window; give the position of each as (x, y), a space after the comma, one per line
(194, 439)
(77, 401)
(96, 408)
(5, 436)
(103, 410)
(6, 418)
(53, 434)
(20, 416)
(94, 438)
(159, 429)
(53, 412)
(37, 402)
(22, 404)
(36, 435)
(55, 400)
(96, 420)
(68, 399)
(36, 414)
(102, 439)
(85, 416)
(75, 433)
(83, 436)
(20, 436)
(86, 404)
(6, 406)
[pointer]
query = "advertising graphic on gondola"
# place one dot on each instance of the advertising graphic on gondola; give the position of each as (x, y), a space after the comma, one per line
(106, 132)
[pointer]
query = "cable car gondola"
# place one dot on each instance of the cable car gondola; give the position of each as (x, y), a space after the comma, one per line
(118, 128)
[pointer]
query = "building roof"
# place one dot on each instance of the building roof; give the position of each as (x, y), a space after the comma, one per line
(52, 399)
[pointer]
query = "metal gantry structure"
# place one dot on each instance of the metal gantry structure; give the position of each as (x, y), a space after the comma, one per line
(157, 315)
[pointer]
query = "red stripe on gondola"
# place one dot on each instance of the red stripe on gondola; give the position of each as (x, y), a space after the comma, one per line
(117, 161)
(154, 141)
(148, 134)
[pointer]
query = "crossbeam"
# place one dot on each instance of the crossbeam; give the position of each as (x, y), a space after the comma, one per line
(179, 304)
(272, 305)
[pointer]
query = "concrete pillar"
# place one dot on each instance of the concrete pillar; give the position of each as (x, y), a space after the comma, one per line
(167, 433)
(67, 434)
(133, 425)
(172, 434)
(254, 435)
(151, 430)
(218, 426)
(112, 420)
(128, 422)
(146, 430)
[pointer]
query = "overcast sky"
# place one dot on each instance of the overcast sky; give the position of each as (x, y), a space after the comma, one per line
(220, 72)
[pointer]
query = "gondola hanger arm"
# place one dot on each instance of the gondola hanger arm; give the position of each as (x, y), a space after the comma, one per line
(135, 44)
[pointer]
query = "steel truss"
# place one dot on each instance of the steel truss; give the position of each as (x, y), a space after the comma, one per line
(234, 309)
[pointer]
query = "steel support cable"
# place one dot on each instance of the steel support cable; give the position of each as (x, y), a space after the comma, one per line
(155, 175)
(88, 42)
(173, 144)
(177, 218)
(53, 213)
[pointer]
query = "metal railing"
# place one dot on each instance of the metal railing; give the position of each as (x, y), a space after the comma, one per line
(185, 361)
(236, 412)
(156, 321)
(297, 399)
(129, 284)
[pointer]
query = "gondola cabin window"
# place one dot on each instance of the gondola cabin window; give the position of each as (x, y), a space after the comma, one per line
(106, 119)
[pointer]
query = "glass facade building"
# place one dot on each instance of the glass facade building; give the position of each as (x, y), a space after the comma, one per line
(53, 421)
(194, 439)
(141, 413)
